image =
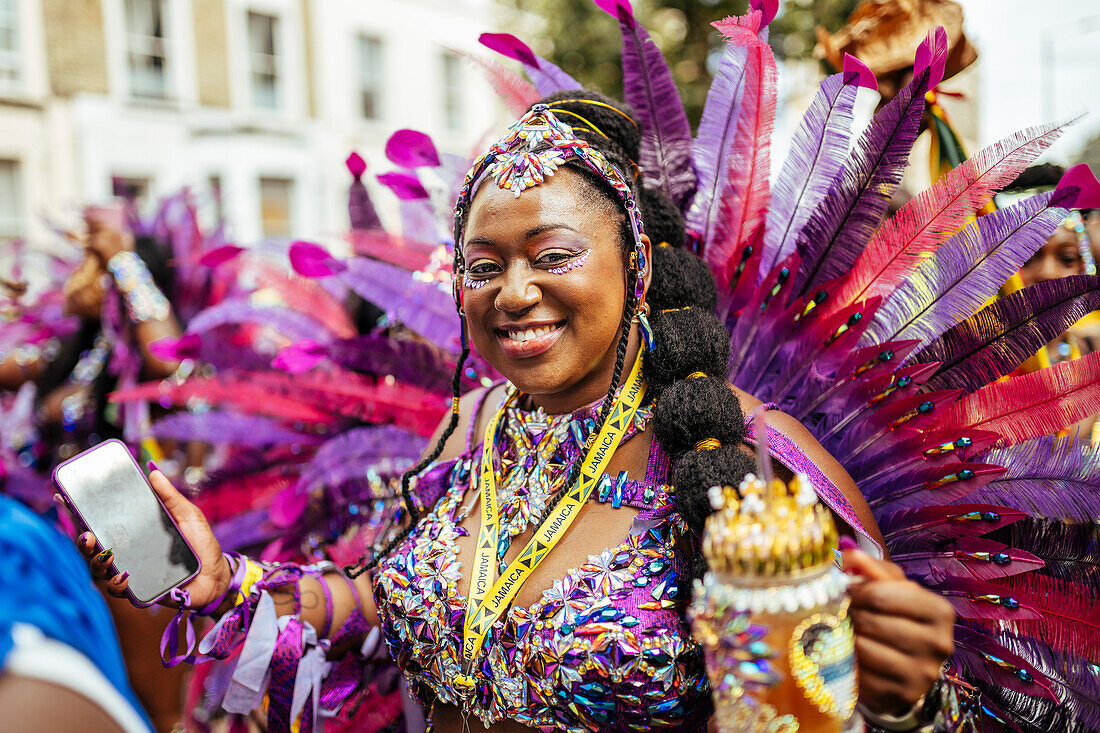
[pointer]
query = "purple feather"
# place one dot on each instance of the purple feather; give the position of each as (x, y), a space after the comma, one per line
(972, 652)
(230, 428)
(546, 76)
(284, 321)
(1076, 679)
(965, 272)
(947, 522)
(424, 307)
(665, 155)
(996, 340)
(1051, 476)
(350, 454)
(406, 186)
(710, 153)
(817, 157)
(407, 361)
(843, 223)
(361, 211)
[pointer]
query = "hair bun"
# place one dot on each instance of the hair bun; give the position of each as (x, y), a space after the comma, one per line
(697, 471)
(680, 279)
(691, 340)
(695, 409)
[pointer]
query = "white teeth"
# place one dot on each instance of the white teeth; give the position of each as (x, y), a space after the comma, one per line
(530, 333)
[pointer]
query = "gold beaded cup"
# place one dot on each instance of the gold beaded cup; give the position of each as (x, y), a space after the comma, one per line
(768, 529)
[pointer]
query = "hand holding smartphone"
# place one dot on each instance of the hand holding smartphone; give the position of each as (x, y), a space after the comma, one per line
(109, 495)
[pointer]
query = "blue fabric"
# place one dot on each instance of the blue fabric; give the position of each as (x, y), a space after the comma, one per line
(45, 583)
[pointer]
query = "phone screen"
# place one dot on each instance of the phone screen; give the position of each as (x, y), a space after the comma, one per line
(112, 497)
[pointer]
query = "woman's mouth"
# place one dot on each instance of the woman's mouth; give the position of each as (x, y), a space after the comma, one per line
(521, 343)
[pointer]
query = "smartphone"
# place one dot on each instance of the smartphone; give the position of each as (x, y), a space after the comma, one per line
(110, 496)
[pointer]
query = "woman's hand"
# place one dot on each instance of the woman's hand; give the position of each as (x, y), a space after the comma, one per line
(904, 633)
(211, 582)
(105, 239)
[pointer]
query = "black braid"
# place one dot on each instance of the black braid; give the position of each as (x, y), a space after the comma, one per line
(361, 566)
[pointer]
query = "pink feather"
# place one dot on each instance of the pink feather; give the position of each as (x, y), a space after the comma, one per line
(1032, 405)
(356, 165)
(745, 200)
(412, 149)
(305, 296)
(313, 261)
(405, 186)
(515, 92)
(908, 237)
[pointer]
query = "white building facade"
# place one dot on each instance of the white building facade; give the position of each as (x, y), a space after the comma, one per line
(254, 104)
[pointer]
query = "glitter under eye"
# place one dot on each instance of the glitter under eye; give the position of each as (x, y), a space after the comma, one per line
(472, 284)
(571, 264)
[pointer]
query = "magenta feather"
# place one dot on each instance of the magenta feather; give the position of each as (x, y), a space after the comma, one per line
(818, 155)
(352, 453)
(973, 650)
(1071, 616)
(977, 600)
(424, 307)
(1050, 476)
(547, 77)
(996, 340)
(922, 488)
(235, 390)
(303, 294)
(648, 87)
(908, 237)
(948, 522)
(516, 93)
(965, 272)
(412, 149)
(313, 261)
(710, 152)
(744, 202)
(1031, 405)
(968, 557)
(838, 231)
(228, 428)
(405, 186)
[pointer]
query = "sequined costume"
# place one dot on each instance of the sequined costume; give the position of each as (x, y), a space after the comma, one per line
(607, 646)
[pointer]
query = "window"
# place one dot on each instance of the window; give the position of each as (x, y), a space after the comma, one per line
(11, 201)
(264, 63)
(147, 44)
(276, 207)
(131, 188)
(9, 45)
(215, 183)
(370, 77)
(452, 92)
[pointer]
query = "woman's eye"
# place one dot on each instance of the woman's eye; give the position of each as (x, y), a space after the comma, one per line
(555, 257)
(483, 268)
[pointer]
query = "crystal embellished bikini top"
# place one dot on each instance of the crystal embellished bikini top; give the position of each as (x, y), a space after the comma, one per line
(606, 648)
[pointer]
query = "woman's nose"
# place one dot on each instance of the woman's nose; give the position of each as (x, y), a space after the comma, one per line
(518, 292)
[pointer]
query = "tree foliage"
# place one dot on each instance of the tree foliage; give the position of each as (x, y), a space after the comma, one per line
(585, 41)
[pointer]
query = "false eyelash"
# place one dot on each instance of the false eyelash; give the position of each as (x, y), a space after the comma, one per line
(571, 264)
(472, 284)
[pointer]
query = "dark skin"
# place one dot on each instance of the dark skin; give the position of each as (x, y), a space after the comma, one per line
(1058, 257)
(512, 244)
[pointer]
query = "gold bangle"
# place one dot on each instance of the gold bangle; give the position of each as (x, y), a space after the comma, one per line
(708, 444)
(674, 310)
(696, 375)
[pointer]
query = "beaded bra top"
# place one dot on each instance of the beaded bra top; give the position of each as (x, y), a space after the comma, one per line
(605, 648)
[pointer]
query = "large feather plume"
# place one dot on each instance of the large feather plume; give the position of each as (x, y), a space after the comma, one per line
(744, 201)
(649, 89)
(818, 155)
(1052, 476)
(1032, 405)
(547, 77)
(516, 93)
(908, 237)
(997, 339)
(966, 271)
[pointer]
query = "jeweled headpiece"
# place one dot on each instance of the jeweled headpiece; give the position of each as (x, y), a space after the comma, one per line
(532, 149)
(1076, 224)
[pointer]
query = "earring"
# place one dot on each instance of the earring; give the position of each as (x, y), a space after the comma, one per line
(646, 330)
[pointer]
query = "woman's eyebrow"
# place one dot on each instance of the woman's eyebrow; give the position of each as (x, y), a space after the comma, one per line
(543, 228)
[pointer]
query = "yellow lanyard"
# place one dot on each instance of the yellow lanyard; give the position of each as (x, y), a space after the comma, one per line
(486, 604)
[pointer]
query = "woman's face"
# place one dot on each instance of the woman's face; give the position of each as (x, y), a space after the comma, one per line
(1058, 257)
(545, 287)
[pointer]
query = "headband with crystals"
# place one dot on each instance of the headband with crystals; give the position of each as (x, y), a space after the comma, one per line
(535, 146)
(1075, 222)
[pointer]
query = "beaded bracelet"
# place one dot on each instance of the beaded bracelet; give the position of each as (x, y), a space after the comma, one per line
(143, 300)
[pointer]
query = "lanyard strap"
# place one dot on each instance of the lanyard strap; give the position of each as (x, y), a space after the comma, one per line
(486, 604)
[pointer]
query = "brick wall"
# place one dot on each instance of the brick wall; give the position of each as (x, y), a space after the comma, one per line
(211, 52)
(75, 47)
